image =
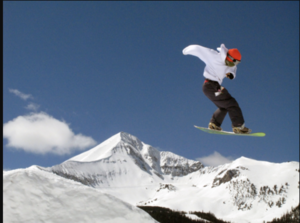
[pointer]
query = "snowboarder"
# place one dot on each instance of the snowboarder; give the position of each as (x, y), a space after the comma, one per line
(218, 66)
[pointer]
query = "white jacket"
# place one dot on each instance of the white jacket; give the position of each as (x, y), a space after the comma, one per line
(215, 68)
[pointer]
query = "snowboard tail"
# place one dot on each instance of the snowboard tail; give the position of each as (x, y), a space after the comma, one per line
(257, 134)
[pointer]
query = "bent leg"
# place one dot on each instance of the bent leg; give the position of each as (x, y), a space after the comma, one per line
(218, 116)
(225, 103)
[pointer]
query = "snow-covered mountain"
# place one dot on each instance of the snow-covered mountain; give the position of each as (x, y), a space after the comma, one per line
(245, 190)
(123, 164)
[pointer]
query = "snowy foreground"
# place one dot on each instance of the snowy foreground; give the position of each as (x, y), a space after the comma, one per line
(107, 182)
(33, 195)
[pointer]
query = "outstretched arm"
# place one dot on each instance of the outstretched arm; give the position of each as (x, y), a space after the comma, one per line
(201, 52)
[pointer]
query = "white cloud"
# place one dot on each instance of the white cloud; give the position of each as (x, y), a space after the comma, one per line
(40, 133)
(215, 159)
(32, 106)
(20, 94)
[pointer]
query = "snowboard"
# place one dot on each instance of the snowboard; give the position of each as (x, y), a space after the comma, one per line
(258, 134)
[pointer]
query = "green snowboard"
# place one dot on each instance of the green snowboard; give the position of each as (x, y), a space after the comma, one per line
(258, 134)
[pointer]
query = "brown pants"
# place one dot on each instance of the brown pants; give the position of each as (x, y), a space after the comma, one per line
(225, 103)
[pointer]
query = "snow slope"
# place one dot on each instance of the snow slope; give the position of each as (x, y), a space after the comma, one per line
(33, 195)
(242, 191)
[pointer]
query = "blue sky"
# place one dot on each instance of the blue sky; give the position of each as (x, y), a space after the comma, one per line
(76, 73)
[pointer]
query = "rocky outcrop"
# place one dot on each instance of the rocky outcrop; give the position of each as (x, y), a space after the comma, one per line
(174, 165)
(226, 177)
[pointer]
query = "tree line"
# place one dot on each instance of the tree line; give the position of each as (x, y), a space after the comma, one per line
(166, 215)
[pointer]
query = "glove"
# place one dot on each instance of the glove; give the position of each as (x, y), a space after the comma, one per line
(229, 75)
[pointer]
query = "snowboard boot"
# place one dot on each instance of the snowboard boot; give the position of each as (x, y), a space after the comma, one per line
(241, 130)
(213, 126)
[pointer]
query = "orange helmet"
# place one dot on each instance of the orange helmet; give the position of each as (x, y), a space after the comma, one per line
(234, 55)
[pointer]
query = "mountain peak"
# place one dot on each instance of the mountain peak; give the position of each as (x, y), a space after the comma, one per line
(248, 162)
(104, 149)
(130, 139)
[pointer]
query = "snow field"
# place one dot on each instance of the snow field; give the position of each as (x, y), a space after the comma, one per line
(33, 195)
